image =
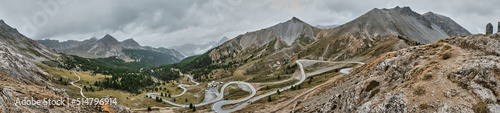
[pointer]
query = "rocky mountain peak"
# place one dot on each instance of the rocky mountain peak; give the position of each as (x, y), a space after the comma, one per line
(6, 28)
(430, 13)
(2, 22)
(130, 40)
(109, 39)
(404, 10)
(295, 19)
(130, 43)
(289, 30)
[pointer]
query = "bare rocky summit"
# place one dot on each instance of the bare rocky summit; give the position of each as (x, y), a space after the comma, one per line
(379, 31)
(459, 74)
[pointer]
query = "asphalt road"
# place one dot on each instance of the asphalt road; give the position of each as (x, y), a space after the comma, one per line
(181, 86)
(217, 107)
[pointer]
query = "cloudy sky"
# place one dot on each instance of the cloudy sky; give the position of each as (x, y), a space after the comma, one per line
(164, 23)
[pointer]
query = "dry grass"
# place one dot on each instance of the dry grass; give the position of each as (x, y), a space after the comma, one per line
(427, 77)
(235, 93)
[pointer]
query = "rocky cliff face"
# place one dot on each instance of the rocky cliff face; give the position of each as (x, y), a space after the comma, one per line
(130, 44)
(20, 44)
(451, 75)
(446, 24)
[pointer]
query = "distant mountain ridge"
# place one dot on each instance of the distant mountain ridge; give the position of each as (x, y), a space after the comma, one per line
(326, 27)
(195, 49)
(108, 46)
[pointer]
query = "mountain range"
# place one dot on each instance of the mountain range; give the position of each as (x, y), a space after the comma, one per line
(382, 30)
(108, 46)
(390, 41)
(364, 38)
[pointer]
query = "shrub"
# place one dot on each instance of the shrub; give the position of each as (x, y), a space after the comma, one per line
(446, 47)
(371, 85)
(446, 55)
(480, 108)
(427, 77)
(424, 106)
(374, 92)
(419, 90)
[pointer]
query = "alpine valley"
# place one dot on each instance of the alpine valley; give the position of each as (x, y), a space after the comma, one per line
(386, 60)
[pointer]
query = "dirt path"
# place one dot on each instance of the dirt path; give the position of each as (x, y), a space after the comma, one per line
(72, 83)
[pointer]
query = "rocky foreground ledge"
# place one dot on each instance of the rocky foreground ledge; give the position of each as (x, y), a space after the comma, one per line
(459, 74)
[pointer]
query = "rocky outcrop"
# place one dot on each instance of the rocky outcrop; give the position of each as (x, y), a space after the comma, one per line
(130, 44)
(446, 24)
(451, 75)
(498, 27)
(489, 28)
(21, 44)
(114, 108)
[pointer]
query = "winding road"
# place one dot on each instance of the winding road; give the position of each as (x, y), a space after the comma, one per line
(217, 107)
(72, 83)
(181, 86)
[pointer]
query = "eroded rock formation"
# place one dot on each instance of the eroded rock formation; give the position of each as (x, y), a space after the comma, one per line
(489, 28)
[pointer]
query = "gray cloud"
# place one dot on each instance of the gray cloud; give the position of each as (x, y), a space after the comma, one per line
(164, 23)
